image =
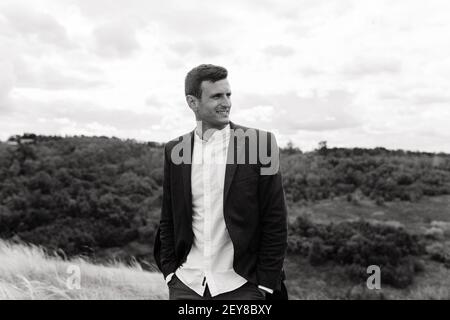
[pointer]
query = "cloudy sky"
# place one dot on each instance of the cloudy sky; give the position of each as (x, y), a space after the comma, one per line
(355, 73)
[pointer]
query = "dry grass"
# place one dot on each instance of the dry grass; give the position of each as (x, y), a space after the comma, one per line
(27, 273)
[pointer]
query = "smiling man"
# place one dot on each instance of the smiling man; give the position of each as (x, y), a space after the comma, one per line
(223, 229)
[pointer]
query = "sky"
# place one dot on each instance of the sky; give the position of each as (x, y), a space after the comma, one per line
(363, 73)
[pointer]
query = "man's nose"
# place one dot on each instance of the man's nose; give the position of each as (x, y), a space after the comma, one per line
(226, 102)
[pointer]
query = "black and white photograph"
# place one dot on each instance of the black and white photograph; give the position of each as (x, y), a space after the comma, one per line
(241, 150)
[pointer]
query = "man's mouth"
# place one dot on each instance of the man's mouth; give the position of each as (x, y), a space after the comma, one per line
(223, 112)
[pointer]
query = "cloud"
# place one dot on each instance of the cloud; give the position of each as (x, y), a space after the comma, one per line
(290, 113)
(431, 98)
(417, 97)
(50, 78)
(256, 114)
(390, 69)
(291, 10)
(153, 101)
(116, 40)
(83, 112)
(184, 21)
(175, 63)
(372, 66)
(391, 95)
(181, 19)
(279, 51)
(75, 117)
(201, 48)
(34, 24)
(6, 84)
(310, 71)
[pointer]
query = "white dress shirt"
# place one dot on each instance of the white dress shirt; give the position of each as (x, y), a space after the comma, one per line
(210, 260)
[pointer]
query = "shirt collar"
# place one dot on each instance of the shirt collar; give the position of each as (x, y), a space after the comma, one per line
(217, 135)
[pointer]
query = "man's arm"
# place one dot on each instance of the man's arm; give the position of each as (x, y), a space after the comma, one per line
(168, 258)
(273, 245)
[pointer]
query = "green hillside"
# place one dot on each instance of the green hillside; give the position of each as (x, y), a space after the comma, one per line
(100, 198)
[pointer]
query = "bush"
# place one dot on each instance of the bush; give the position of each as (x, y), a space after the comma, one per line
(434, 233)
(316, 255)
(361, 292)
(438, 253)
(357, 245)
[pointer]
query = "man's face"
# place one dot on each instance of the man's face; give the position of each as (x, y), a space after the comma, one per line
(213, 108)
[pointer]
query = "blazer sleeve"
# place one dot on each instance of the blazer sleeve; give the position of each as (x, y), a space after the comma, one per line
(168, 259)
(273, 222)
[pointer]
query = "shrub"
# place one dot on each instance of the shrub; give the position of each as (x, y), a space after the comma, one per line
(360, 292)
(434, 233)
(438, 253)
(357, 245)
(316, 255)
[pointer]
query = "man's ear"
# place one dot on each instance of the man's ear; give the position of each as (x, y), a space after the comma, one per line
(192, 102)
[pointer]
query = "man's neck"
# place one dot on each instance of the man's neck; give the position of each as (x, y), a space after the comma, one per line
(207, 131)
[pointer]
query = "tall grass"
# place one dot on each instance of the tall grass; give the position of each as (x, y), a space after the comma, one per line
(26, 272)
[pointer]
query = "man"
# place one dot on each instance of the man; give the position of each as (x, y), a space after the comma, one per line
(223, 228)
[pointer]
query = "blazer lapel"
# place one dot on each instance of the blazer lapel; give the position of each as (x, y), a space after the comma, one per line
(235, 149)
(186, 169)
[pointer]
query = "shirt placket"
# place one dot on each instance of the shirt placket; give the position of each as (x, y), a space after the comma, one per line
(207, 206)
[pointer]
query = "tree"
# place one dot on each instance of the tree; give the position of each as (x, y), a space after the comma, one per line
(323, 149)
(291, 149)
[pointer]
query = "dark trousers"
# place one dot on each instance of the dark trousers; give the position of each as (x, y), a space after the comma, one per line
(179, 291)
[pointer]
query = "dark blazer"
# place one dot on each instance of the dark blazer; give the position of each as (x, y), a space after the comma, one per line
(254, 211)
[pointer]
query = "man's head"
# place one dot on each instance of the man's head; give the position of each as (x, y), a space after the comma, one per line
(208, 95)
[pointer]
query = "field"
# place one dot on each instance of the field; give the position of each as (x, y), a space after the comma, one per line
(329, 282)
(415, 216)
(326, 282)
(27, 273)
(100, 198)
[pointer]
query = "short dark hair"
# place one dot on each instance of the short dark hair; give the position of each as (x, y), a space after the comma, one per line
(203, 72)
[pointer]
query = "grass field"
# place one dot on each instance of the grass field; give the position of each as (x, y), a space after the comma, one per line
(27, 273)
(415, 216)
(329, 281)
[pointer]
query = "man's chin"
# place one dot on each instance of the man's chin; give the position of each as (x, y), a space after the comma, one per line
(218, 123)
(223, 121)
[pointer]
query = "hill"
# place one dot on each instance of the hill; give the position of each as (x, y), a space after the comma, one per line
(96, 195)
(100, 198)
